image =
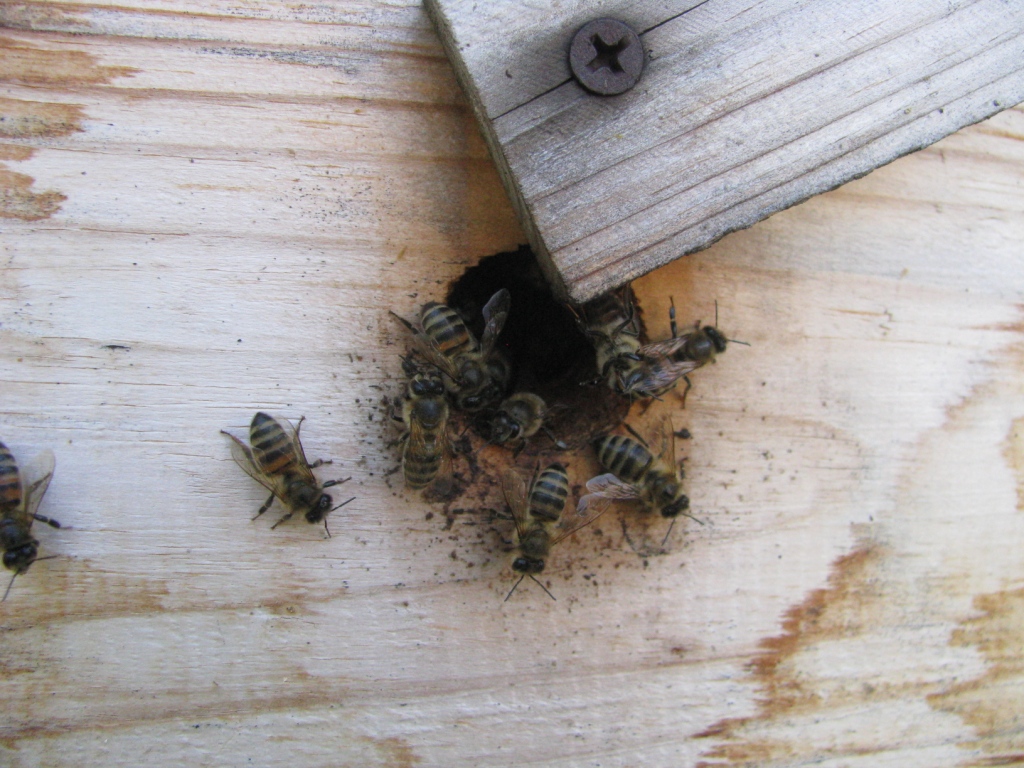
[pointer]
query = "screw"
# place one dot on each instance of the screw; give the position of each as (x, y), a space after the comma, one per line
(606, 57)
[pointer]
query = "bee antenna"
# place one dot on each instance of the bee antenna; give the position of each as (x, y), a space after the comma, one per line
(737, 341)
(716, 313)
(339, 506)
(504, 601)
(11, 584)
(541, 586)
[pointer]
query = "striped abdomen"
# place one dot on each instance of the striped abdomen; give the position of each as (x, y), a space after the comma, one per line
(624, 457)
(548, 495)
(10, 482)
(443, 326)
(272, 447)
(422, 461)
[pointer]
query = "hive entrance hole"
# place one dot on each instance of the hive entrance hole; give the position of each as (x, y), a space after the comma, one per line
(550, 355)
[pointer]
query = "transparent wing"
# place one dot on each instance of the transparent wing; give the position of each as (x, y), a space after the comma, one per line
(664, 348)
(590, 507)
(662, 376)
(35, 481)
(429, 350)
(495, 314)
(516, 487)
(242, 454)
(296, 447)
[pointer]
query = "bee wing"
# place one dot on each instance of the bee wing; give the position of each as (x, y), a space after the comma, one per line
(296, 448)
(495, 314)
(590, 507)
(41, 472)
(516, 488)
(242, 454)
(664, 348)
(603, 490)
(429, 350)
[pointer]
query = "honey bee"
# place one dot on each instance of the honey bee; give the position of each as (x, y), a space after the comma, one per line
(613, 326)
(274, 458)
(636, 474)
(18, 503)
(537, 507)
(663, 363)
(427, 449)
(474, 372)
(519, 417)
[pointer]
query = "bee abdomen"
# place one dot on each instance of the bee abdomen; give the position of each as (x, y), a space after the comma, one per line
(420, 471)
(623, 457)
(549, 492)
(10, 484)
(446, 329)
(270, 444)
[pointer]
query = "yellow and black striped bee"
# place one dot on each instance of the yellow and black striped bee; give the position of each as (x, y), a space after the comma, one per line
(18, 503)
(662, 364)
(636, 474)
(474, 372)
(274, 458)
(537, 505)
(426, 453)
(612, 324)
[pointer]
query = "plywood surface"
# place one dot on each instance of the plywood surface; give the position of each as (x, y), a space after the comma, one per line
(207, 209)
(744, 108)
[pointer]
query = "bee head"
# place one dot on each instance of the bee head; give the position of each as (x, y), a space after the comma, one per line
(717, 338)
(528, 565)
(676, 507)
(319, 511)
(503, 428)
(422, 386)
(19, 558)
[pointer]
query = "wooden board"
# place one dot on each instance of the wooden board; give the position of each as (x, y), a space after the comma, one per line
(208, 207)
(744, 109)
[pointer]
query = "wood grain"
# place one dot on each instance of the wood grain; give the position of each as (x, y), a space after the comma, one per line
(244, 190)
(744, 109)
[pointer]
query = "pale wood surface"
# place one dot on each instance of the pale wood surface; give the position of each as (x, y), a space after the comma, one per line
(236, 193)
(744, 108)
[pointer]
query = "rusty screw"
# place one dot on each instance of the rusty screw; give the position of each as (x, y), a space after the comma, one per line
(606, 57)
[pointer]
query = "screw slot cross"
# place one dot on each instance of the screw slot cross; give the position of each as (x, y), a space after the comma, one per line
(607, 55)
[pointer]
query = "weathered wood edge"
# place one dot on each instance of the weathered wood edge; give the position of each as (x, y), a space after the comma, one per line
(508, 178)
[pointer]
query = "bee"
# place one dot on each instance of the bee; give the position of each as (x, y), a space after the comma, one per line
(427, 449)
(663, 363)
(613, 326)
(18, 503)
(537, 507)
(474, 372)
(636, 474)
(519, 417)
(274, 458)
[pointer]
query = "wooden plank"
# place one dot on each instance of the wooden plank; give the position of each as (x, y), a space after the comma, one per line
(215, 207)
(744, 109)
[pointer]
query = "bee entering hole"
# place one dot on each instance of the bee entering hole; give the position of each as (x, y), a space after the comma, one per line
(550, 355)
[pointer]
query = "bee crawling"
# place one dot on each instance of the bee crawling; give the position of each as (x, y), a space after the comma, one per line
(427, 448)
(274, 458)
(537, 506)
(519, 417)
(474, 372)
(19, 500)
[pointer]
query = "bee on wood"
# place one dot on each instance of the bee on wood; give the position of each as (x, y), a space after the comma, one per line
(613, 326)
(274, 458)
(18, 503)
(663, 363)
(426, 453)
(474, 372)
(518, 418)
(636, 474)
(537, 506)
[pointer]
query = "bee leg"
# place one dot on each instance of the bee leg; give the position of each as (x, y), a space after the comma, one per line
(320, 463)
(558, 443)
(636, 434)
(672, 317)
(329, 483)
(265, 507)
(47, 520)
(286, 517)
(689, 386)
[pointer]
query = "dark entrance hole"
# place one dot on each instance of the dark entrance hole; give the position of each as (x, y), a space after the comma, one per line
(550, 355)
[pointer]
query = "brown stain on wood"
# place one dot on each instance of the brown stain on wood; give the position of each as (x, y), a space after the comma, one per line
(833, 612)
(395, 752)
(24, 64)
(992, 702)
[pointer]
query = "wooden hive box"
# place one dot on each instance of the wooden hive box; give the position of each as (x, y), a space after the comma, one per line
(743, 109)
(207, 209)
